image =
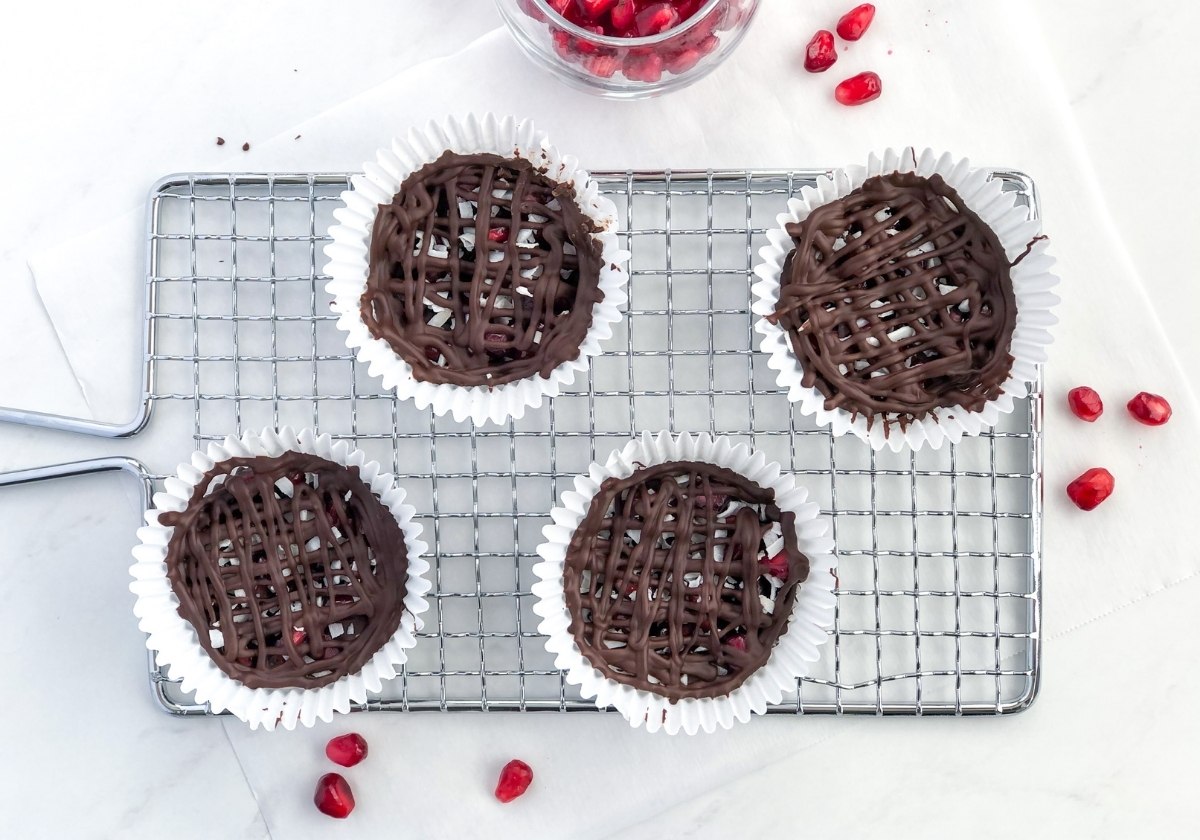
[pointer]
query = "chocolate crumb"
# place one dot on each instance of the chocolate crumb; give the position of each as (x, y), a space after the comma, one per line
(245, 147)
(297, 136)
(220, 141)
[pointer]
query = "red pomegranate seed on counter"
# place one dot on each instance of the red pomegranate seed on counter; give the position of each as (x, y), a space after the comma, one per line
(859, 89)
(515, 779)
(1150, 409)
(333, 796)
(1085, 403)
(821, 53)
(347, 750)
(1091, 488)
(854, 23)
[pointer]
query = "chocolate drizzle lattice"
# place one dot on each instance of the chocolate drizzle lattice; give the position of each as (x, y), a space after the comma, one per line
(897, 299)
(291, 570)
(681, 578)
(482, 271)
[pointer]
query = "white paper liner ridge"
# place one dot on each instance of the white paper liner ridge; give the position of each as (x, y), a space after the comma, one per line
(175, 639)
(349, 262)
(797, 648)
(1032, 279)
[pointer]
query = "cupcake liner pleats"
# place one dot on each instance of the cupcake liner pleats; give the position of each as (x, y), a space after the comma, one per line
(174, 639)
(1033, 283)
(793, 654)
(349, 256)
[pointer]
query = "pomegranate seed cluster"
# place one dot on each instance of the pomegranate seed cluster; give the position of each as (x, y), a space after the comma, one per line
(821, 53)
(673, 55)
(1096, 484)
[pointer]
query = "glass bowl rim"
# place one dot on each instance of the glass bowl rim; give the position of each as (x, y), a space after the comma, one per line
(616, 41)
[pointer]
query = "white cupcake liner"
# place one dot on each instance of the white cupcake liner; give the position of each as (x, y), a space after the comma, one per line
(349, 261)
(797, 648)
(175, 640)
(1032, 281)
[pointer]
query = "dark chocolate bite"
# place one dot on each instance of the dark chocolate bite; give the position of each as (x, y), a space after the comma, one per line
(482, 271)
(897, 300)
(681, 578)
(291, 570)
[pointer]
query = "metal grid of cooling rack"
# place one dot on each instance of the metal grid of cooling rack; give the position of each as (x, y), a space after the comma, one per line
(940, 551)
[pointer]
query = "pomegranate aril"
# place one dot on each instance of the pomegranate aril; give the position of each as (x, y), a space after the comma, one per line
(583, 46)
(623, 18)
(643, 67)
(498, 234)
(683, 61)
(776, 565)
(515, 779)
(561, 6)
(821, 53)
(859, 89)
(603, 66)
(562, 44)
(854, 23)
(528, 7)
(715, 502)
(333, 796)
(347, 750)
(1085, 403)
(1091, 488)
(1150, 409)
(593, 9)
(656, 19)
(736, 642)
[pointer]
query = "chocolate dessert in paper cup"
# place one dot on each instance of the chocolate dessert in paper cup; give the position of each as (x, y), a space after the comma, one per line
(907, 302)
(280, 577)
(475, 268)
(687, 582)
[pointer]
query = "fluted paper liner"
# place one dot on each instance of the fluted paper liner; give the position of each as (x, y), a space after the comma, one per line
(793, 654)
(349, 261)
(1032, 281)
(175, 640)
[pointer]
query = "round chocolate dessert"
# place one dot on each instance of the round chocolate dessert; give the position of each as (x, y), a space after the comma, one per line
(681, 578)
(482, 271)
(291, 570)
(897, 299)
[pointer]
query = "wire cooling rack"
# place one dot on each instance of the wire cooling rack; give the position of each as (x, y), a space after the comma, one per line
(938, 608)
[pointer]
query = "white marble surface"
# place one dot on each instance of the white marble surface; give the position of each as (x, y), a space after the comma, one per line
(1089, 97)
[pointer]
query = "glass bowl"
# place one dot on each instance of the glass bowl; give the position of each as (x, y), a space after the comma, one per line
(628, 68)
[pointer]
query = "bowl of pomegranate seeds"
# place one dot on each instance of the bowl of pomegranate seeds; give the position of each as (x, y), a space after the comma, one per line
(628, 49)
